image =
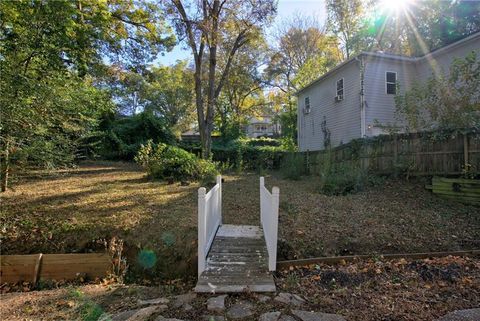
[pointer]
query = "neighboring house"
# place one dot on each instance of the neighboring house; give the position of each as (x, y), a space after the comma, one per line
(350, 100)
(263, 126)
(193, 135)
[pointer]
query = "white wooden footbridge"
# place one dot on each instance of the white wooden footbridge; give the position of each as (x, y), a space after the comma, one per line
(236, 258)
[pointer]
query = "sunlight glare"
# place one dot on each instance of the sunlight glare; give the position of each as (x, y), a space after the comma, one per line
(394, 6)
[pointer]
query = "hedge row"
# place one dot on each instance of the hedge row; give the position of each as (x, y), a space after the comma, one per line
(245, 154)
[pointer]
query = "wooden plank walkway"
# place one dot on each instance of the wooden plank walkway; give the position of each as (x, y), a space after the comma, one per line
(237, 262)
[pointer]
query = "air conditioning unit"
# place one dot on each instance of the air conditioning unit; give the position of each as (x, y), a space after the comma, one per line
(339, 98)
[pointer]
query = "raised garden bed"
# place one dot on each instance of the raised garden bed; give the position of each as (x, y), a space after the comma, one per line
(459, 189)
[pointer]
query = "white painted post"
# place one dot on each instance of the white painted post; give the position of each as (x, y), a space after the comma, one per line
(219, 205)
(202, 229)
(272, 258)
(262, 184)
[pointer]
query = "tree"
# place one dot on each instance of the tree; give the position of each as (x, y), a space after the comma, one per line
(169, 93)
(49, 50)
(417, 29)
(345, 21)
(444, 102)
(210, 27)
(242, 96)
(303, 53)
(165, 91)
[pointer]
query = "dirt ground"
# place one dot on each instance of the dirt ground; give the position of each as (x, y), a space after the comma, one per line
(76, 210)
(369, 290)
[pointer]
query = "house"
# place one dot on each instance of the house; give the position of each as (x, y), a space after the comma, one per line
(193, 135)
(352, 99)
(262, 126)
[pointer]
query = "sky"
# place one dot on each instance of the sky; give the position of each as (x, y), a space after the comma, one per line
(286, 9)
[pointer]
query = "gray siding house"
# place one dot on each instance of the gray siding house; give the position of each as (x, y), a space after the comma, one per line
(350, 100)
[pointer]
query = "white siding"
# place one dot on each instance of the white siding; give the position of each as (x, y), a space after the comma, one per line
(380, 106)
(441, 60)
(342, 118)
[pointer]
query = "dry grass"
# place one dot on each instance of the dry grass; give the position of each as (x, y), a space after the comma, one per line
(66, 210)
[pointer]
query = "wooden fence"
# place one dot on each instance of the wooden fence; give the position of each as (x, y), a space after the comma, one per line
(417, 154)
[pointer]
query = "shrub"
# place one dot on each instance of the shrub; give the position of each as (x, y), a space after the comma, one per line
(342, 179)
(123, 135)
(293, 166)
(173, 163)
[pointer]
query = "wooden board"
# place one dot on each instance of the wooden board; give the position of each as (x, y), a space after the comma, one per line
(71, 266)
(350, 258)
(461, 190)
(237, 262)
(30, 268)
(15, 268)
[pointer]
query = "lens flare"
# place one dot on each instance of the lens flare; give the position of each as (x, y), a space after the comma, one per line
(147, 259)
(395, 6)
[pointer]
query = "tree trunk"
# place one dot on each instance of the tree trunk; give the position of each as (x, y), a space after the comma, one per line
(5, 167)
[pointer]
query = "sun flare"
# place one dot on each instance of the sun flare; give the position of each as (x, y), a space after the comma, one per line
(395, 6)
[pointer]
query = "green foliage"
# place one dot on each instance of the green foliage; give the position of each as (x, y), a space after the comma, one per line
(342, 180)
(173, 163)
(293, 166)
(123, 135)
(252, 154)
(372, 26)
(288, 121)
(52, 53)
(446, 103)
(166, 91)
(345, 178)
(243, 153)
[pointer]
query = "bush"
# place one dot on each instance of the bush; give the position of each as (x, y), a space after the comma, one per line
(293, 166)
(123, 135)
(173, 163)
(342, 179)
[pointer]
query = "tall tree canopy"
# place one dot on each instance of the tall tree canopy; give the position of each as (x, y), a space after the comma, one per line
(345, 19)
(413, 29)
(50, 52)
(242, 96)
(211, 28)
(302, 53)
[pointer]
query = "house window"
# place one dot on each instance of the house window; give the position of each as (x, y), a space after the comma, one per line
(391, 82)
(307, 105)
(339, 90)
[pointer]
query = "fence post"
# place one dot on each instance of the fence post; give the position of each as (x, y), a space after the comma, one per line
(219, 205)
(262, 183)
(202, 229)
(272, 258)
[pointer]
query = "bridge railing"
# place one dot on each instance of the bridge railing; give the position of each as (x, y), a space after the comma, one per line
(209, 219)
(269, 217)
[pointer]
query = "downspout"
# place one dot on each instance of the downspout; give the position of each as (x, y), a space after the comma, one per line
(362, 96)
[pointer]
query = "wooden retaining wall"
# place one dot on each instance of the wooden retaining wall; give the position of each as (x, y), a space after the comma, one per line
(417, 154)
(35, 267)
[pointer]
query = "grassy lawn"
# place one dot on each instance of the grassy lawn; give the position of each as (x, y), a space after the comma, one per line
(76, 210)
